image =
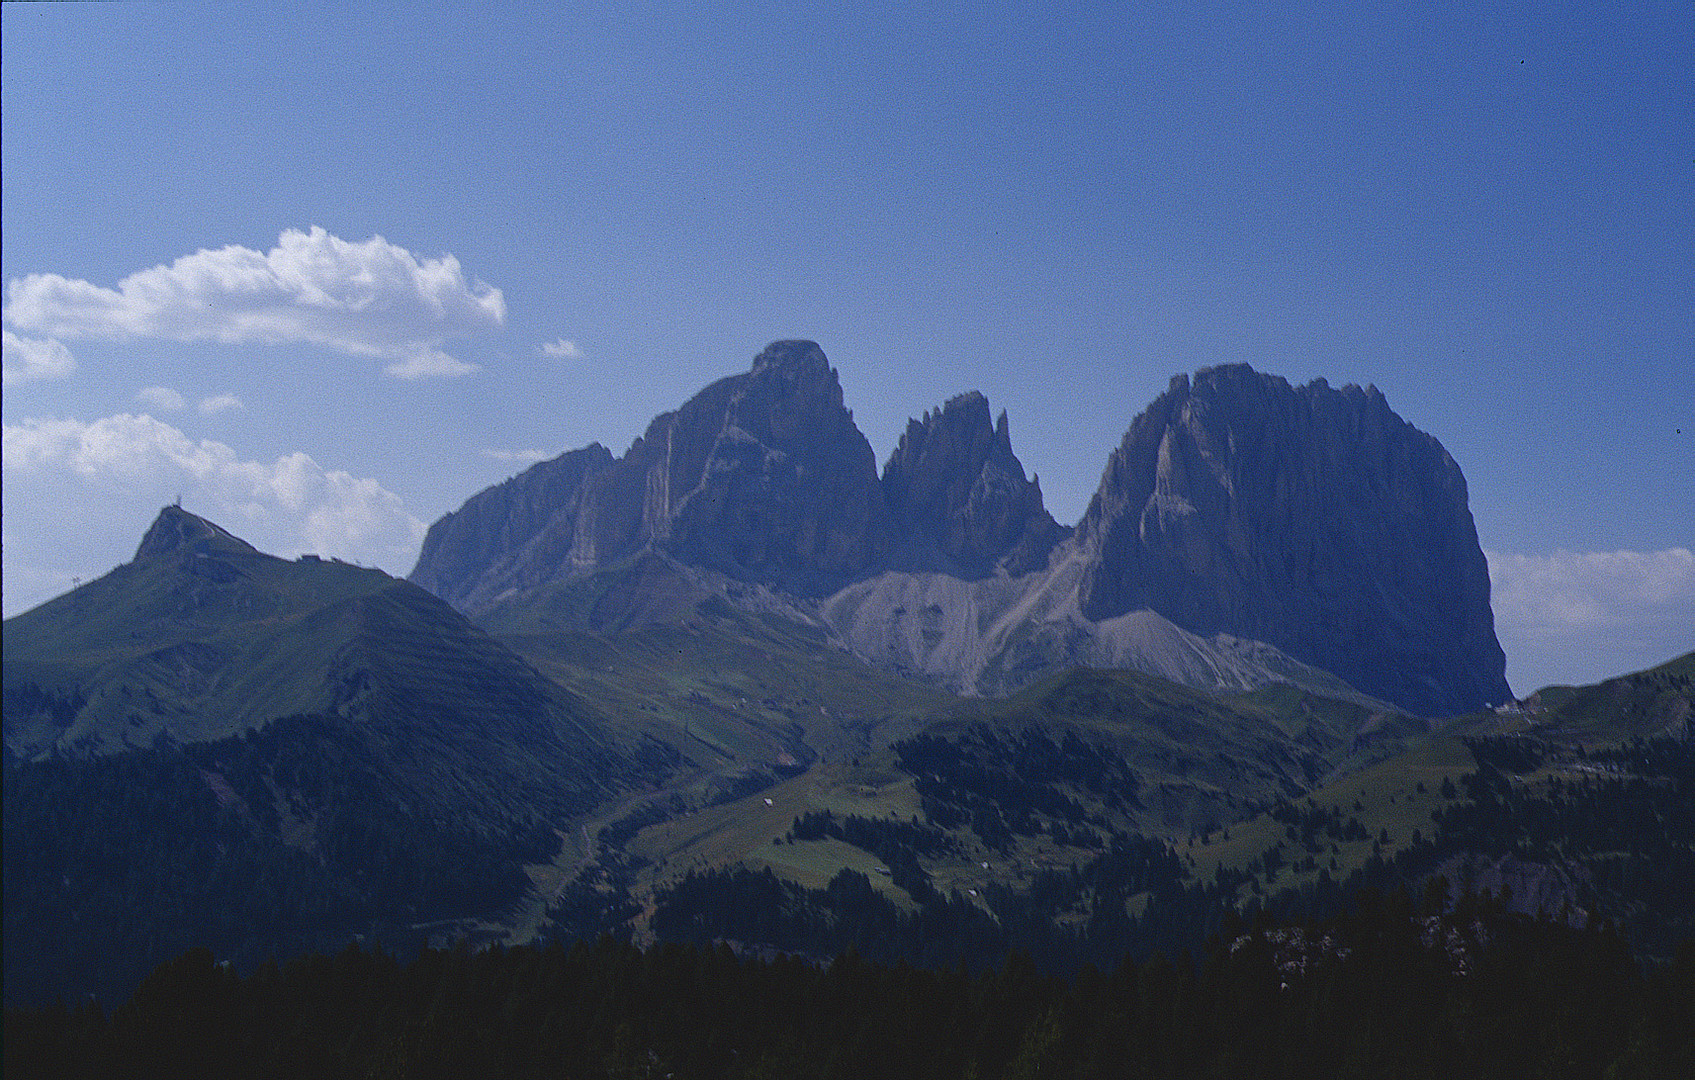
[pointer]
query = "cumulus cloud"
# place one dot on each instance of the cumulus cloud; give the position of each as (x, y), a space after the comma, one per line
(1598, 590)
(217, 403)
(369, 298)
(32, 359)
(162, 398)
(1580, 617)
(525, 457)
(314, 509)
(562, 350)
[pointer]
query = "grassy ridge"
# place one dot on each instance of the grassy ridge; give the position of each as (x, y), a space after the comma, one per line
(634, 731)
(190, 646)
(1644, 703)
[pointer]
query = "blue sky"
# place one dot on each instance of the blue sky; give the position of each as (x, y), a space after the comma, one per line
(326, 271)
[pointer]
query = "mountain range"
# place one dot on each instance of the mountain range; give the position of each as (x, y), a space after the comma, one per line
(1246, 532)
(738, 684)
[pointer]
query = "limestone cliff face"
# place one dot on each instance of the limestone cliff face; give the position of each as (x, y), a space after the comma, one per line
(762, 476)
(959, 498)
(1313, 519)
(1309, 525)
(765, 477)
(510, 535)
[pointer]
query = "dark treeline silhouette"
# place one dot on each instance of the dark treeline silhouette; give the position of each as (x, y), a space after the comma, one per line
(876, 835)
(1003, 786)
(1382, 991)
(740, 904)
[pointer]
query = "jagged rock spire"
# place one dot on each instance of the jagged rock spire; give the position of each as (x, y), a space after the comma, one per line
(959, 498)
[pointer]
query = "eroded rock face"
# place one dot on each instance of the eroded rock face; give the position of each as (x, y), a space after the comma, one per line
(765, 477)
(762, 476)
(1313, 519)
(959, 498)
(513, 535)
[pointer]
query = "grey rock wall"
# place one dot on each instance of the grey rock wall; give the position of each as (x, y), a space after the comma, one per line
(1237, 508)
(512, 535)
(1313, 519)
(762, 476)
(960, 500)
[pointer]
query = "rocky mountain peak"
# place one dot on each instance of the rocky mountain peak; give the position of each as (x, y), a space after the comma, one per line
(790, 393)
(1313, 519)
(762, 476)
(795, 360)
(176, 530)
(959, 498)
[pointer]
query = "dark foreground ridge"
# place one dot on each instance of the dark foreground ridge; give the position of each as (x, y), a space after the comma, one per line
(1382, 992)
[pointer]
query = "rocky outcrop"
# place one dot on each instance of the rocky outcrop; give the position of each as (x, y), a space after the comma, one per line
(1244, 532)
(1313, 519)
(761, 476)
(765, 477)
(176, 531)
(512, 535)
(959, 498)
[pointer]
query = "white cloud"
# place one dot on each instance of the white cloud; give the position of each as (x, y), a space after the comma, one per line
(562, 350)
(32, 359)
(368, 298)
(293, 501)
(1599, 590)
(162, 398)
(218, 403)
(527, 457)
(429, 363)
(1580, 617)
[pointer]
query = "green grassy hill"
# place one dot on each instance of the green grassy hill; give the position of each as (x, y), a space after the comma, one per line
(188, 644)
(1647, 703)
(201, 638)
(211, 740)
(1005, 790)
(1579, 799)
(1017, 810)
(211, 745)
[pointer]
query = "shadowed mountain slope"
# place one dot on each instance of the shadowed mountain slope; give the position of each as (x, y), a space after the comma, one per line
(213, 745)
(1313, 519)
(201, 638)
(1245, 533)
